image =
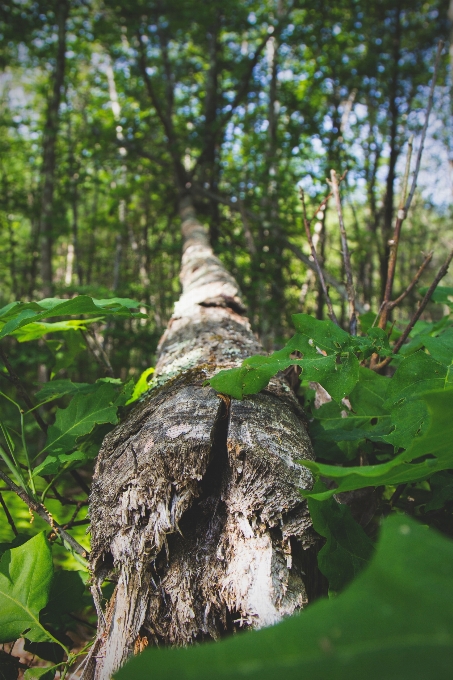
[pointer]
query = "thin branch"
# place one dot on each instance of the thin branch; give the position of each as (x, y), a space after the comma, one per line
(345, 254)
(391, 305)
(100, 354)
(73, 522)
(440, 274)
(22, 391)
(42, 512)
(331, 313)
(79, 480)
(8, 516)
(331, 280)
(394, 243)
(405, 203)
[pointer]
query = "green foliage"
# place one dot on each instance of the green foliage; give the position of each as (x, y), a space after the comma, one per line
(35, 602)
(25, 577)
(434, 447)
(347, 549)
(78, 419)
(373, 430)
(16, 315)
(331, 358)
(394, 621)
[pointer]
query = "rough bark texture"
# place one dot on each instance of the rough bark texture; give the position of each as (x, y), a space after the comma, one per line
(196, 506)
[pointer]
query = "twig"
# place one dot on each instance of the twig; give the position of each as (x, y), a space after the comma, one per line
(72, 521)
(42, 512)
(345, 252)
(8, 516)
(80, 481)
(22, 391)
(440, 274)
(331, 280)
(394, 243)
(405, 203)
(397, 493)
(99, 355)
(77, 523)
(391, 305)
(326, 199)
(314, 255)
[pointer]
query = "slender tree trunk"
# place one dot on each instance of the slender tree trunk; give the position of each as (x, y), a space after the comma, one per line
(394, 152)
(49, 151)
(195, 504)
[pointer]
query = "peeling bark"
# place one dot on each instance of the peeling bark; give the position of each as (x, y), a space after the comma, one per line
(196, 507)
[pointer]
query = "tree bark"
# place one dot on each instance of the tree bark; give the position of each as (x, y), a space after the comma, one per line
(196, 506)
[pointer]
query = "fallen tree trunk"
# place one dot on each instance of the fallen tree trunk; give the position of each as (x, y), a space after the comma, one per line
(195, 508)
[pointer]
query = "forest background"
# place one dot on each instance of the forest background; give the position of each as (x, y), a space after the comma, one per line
(98, 99)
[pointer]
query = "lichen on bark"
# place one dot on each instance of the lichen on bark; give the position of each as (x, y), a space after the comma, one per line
(196, 508)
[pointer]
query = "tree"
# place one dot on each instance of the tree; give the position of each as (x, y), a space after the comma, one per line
(177, 115)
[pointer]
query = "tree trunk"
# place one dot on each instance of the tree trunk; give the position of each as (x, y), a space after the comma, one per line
(49, 151)
(196, 505)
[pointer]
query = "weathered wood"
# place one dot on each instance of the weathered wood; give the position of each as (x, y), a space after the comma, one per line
(196, 508)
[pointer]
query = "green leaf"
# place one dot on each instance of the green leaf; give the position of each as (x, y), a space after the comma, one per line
(348, 549)
(54, 389)
(395, 621)
(34, 331)
(66, 352)
(442, 487)
(19, 314)
(80, 417)
(443, 295)
(435, 442)
(416, 374)
(334, 425)
(52, 464)
(325, 335)
(338, 375)
(40, 672)
(25, 577)
(65, 597)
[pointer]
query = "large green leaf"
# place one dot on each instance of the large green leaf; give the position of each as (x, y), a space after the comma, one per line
(79, 418)
(54, 389)
(19, 314)
(34, 331)
(330, 357)
(395, 621)
(347, 549)
(25, 577)
(367, 419)
(434, 446)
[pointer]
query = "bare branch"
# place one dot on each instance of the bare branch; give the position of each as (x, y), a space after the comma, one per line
(98, 352)
(400, 298)
(331, 280)
(394, 243)
(42, 512)
(440, 274)
(345, 254)
(331, 313)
